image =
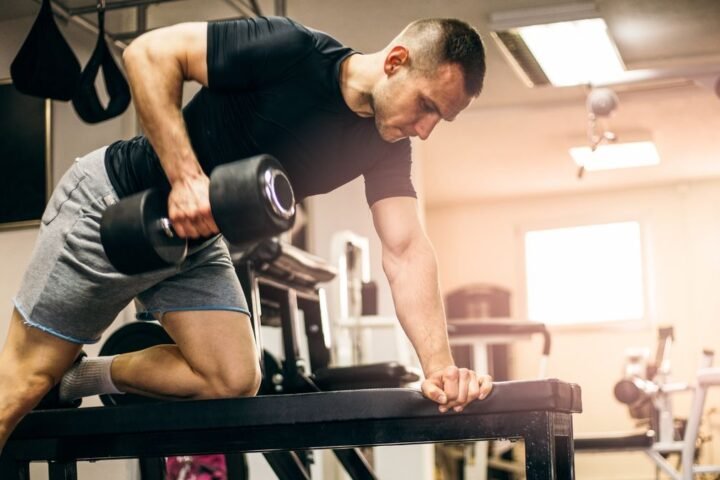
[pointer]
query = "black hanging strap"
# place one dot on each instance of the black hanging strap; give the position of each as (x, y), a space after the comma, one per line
(46, 66)
(86, 101)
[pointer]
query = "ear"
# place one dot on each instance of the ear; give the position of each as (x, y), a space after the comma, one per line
(399, 56)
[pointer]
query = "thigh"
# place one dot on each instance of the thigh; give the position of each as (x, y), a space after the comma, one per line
(204, 310)
(30, 351)
(206, 281)
(213, 341)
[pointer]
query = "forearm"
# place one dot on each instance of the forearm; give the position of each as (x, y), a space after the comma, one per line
(156, 81)
(413, 277)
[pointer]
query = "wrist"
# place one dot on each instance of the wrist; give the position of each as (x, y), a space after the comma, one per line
(437, 365)
(184, 171)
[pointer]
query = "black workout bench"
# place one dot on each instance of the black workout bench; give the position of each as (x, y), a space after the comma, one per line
(539, 412)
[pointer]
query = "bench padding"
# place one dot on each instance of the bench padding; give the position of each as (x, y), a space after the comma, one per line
(514, 396)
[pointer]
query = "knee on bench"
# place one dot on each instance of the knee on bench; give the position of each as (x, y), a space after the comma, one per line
(230, 381)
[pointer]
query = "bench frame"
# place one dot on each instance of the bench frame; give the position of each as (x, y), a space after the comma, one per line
(279, 423)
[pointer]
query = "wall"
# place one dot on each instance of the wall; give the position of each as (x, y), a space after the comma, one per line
(681, 230)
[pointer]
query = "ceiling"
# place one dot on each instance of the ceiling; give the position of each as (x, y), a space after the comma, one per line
(513, 140)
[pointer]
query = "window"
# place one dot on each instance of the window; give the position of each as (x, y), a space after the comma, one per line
(584, 275)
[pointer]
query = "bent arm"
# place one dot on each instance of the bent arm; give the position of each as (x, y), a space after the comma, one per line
(410, 265)
(157, 65)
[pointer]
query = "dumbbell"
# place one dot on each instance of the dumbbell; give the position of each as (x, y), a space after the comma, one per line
(250, 199)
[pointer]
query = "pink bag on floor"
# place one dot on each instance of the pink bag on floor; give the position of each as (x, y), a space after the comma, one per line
(199, 467)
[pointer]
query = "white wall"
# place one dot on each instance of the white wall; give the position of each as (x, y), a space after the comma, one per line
(681, 229)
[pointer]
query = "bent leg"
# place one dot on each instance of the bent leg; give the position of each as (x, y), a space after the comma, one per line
(31, 363)
(214, 357)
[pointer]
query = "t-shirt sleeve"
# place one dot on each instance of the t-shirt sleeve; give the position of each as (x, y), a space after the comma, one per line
(250, 52)
(390, 176)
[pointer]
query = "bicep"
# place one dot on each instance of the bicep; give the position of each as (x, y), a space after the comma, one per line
(184, 45)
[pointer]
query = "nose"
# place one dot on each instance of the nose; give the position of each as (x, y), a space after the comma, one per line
(424, 126)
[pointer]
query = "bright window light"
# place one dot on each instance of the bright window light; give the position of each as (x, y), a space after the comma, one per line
(584, 275)
(573, 53)
(616, 155)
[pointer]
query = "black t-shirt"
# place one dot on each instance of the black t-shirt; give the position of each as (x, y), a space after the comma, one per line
(273, 88)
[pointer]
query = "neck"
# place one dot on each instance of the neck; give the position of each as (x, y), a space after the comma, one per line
(356, 82)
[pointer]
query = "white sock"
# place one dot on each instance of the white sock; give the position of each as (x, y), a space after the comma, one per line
(91, 376)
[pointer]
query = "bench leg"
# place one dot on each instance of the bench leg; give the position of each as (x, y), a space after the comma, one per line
(540, 455)
(564, 446)
(152, 468)
(549, 449)
(62, 470)
(564, 457)
(11, 469)
(355, 464)
(287, 465)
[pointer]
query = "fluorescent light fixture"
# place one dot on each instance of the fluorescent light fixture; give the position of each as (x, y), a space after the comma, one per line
(560, 45)
(573, 53)
(616, 155)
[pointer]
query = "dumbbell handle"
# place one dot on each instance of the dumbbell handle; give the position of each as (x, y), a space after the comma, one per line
(166, 226)
(267, 181)
(267, 187)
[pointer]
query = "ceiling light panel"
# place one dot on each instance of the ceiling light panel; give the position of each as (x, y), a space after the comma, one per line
(616, 155)
(561, 45)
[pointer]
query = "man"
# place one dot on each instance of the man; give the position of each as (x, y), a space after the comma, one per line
(329, 114)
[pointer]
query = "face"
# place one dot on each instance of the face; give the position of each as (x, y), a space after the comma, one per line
(409, 103)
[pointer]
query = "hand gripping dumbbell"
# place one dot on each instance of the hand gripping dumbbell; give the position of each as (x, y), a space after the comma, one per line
(250, 199)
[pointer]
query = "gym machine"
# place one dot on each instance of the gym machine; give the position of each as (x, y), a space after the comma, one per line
(647, 390)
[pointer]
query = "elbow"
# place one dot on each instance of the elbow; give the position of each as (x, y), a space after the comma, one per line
(132, 54)
(418, 252)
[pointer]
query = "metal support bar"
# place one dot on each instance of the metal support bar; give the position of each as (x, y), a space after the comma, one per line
(287, 465)
(141, 19)
(62, 470)
(280, 8)
(152, 468)
(115, 6)
(11, 469)
(65, 14)
(355, 464)
(256, 7)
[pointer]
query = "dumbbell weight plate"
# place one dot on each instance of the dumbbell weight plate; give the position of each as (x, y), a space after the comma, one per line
(251, 199)
(134, 239)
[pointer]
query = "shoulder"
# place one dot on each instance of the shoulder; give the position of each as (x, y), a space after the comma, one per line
(266, 31)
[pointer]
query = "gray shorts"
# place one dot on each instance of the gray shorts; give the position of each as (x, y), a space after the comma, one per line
(71, 290)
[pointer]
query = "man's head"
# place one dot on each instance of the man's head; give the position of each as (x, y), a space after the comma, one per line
(432, 71)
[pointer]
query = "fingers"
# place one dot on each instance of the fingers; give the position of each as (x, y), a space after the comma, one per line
(451, 386)
(460, 387)
(433, 392)
(193, 222)
(189, 209)
(486, 385)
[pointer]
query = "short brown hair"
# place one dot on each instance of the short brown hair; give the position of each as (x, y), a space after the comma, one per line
(448, 40)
